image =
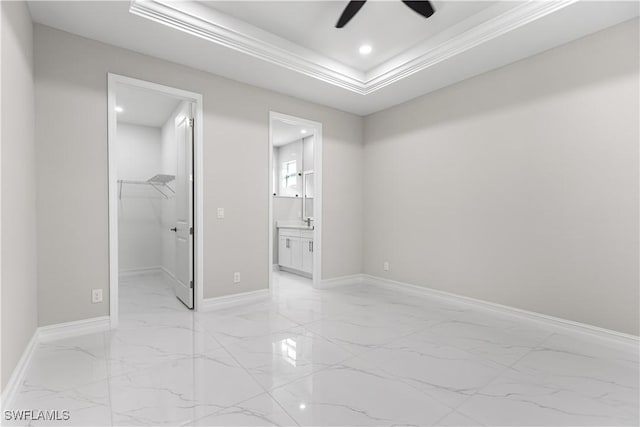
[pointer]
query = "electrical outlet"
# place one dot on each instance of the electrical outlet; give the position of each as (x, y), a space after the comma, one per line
(96, 296)
(220, 213)
(385, 266)
(236, 277)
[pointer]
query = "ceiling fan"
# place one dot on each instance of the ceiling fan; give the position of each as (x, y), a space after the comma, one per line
(423, 8)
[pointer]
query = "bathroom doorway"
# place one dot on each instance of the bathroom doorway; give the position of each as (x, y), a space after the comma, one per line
(295, 197)
(155, 208)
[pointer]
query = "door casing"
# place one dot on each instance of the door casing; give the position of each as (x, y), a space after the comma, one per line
(113, 80)
(317, 203)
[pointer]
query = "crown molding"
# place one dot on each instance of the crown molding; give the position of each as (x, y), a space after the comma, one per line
(216, 27)
(501, 24)
(226, 31)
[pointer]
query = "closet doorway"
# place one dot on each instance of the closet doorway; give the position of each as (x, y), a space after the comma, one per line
(155, 197)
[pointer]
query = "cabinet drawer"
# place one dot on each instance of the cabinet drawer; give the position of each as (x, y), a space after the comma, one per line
(306, 234)
(289, 232)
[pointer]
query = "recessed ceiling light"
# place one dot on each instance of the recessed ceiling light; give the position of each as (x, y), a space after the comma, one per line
(303, 131)
(118, 109)
(302, 406)
(365, 49)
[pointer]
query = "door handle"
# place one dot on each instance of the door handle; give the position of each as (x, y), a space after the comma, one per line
(174, 229)
(287, 245)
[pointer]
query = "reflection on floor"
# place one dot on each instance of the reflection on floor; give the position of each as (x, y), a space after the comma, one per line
(354, 355)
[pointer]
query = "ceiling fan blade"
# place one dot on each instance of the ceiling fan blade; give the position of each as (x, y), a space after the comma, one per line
(423, 8)
(349, 12)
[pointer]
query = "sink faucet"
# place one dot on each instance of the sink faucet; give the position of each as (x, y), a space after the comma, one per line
(308, 221)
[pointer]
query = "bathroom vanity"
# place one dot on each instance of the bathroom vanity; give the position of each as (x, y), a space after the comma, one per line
(295, 248)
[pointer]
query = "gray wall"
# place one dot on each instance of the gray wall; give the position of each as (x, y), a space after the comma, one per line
(519, 186)
(19, 309)
(71, 136)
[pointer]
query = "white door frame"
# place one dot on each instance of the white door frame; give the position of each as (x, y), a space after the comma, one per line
(112, 81)
(317, 202)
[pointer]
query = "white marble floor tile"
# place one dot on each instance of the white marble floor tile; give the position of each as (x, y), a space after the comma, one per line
(456, 419)
(344, 395)
(282, 357)
(355, 355)
(501, 340)
(65, 364)
(180, 391)
(87, 405)
(231, 329)
(446, 373)
(567, 380)
(262, 410)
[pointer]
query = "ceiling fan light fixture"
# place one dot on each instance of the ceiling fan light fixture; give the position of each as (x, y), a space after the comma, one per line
(365, 49)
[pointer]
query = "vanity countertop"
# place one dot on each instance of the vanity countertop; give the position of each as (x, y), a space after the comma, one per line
(299, 225)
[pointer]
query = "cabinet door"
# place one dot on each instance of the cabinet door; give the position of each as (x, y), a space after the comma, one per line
(296, 252)
(307, 256)
(284, 252)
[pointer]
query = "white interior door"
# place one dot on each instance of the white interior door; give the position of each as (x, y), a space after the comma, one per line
(184, 207)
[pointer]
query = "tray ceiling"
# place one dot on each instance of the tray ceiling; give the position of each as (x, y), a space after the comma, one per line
(293, 47)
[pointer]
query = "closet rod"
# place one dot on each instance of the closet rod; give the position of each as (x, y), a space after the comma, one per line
(154, 185)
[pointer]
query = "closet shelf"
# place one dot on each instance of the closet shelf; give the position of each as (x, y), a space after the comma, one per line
(157, 182)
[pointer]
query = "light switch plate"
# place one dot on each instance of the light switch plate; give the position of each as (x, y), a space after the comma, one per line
(385, 266)
(236, 277)
(220, 213)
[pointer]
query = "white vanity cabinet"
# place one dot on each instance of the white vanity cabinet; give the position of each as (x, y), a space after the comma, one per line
(295, 250)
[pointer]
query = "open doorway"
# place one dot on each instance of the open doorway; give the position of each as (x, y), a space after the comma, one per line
(155, 208)
(295, 206)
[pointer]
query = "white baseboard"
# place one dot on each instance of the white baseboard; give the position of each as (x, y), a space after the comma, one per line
(47, 334)
(296, 272)
(138, 271)
(210, 304)
(353, 279)
(73, 329)
(17, 376)
(548, 321)
(169, 274)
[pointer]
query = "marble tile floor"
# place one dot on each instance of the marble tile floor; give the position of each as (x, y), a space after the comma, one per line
(349, 356)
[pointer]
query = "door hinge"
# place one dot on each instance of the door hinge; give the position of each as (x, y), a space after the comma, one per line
(190, 123)
(191, 284)
(191, 231)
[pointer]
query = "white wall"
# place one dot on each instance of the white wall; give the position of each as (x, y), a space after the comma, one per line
(140, 228)
(71, 76)
(18, 165)
(519, 186)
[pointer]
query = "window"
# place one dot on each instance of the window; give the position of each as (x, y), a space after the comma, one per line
(289, 174)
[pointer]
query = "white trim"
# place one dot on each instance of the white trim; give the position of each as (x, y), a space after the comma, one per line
(218, 303)
(17, 376)
(169, 274)
(353, 279)
(73, 329)
(317, 202)
(47, 334)
(197, 99)
(546, 320)
(224, 30)
(488, 30)
(139, 271)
